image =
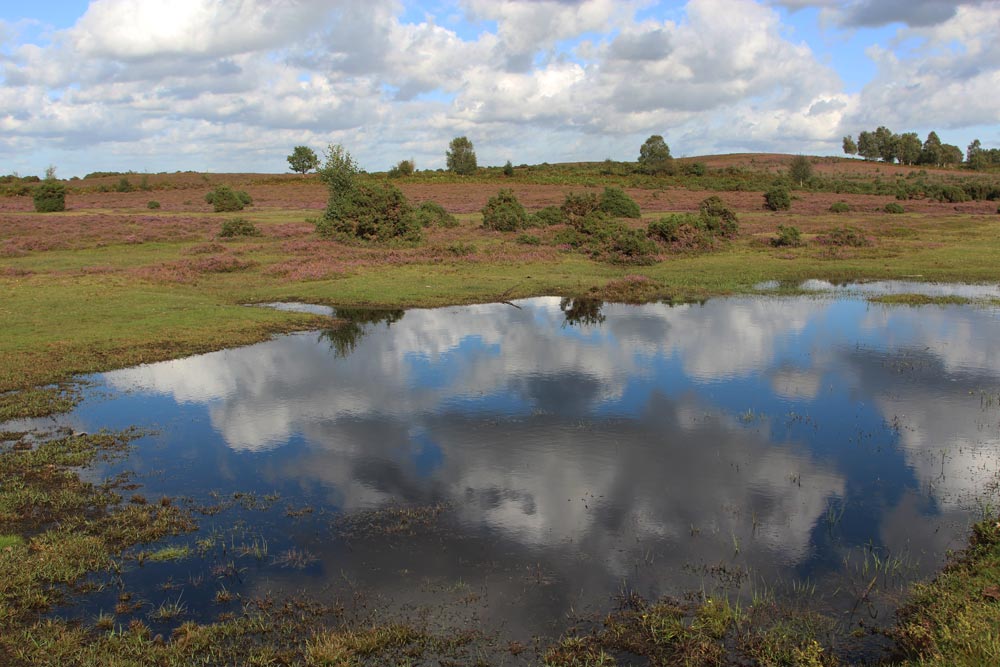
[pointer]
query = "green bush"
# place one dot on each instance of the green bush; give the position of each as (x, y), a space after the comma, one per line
(238, 227)
(616, 203)
(778, 199)
(529, 239)
(789, 237)
(152, 204)
(374, 213)
(894, 208)
(503, 213)
(578, 206)
(431, 213)
(124, 185)
(682, 230)
(951, 194)
(50, 197)
(840, 207)
(508, 169)
(548, 216)
(244, 198)
(694, 169)
(224, 200)
(718, 218)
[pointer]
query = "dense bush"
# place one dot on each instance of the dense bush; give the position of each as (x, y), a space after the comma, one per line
(548, 216)
(124, 185)
(508, 169)
(894, 208)
(951, 194)
(681, 230)
(616, 203)
(238, 227)
(778, 199)
(608, 240)
(694, 169)
(375, 213)
(529, 239)
(224, 199)
(696, 231)
(431, 213)
(718, 218)
(579, 205)
(503, 213)
(789, 237)
(840, 207)
(152, 204)
(50, 197)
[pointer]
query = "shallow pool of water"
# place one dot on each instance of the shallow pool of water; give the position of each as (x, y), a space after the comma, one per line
(519, 462)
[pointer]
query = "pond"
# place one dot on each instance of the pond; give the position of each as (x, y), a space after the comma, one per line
(516, 465)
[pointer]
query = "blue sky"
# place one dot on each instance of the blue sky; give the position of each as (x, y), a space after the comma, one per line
(147, 85)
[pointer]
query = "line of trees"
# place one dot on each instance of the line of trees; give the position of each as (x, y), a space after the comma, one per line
(884, 144)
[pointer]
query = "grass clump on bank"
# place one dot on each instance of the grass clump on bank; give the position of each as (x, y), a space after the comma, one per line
(953, 620)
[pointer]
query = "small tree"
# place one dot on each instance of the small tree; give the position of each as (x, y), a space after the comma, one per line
(801, 169)
(778, 199)
(850, 146)
(654, 156)
(461, 156)
(224, 199)
(50, 197)
(404, 168)
(908, 148)
(508, 169)
(303, 160)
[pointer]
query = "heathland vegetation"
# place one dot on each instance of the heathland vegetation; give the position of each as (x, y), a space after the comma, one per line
(94, 277)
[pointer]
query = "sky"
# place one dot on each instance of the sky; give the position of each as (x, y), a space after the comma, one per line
(234, 85)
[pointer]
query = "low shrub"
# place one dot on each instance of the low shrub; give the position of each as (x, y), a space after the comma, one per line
(152, 204)
(693, 169)
(50, 197)
(508, 169)
(431, 213)
(616, 203)
(844, 236)
(778, 199)
(840, 207)
(529, 239)
(372, 213)
(788, 237)
(225, 200)
(951, 194)
(238, 227)
(548, 216)
(579, 205)
(461, 249)
(124, 185)
(894, 208)
(718, 218)
(503, 213)
(608, 240)
(682, 230)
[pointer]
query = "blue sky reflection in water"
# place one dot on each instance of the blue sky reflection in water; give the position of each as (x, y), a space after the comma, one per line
(577, 446)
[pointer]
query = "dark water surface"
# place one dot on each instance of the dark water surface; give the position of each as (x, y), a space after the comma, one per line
(518, 464)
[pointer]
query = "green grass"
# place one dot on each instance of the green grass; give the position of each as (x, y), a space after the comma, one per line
(954, 620)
